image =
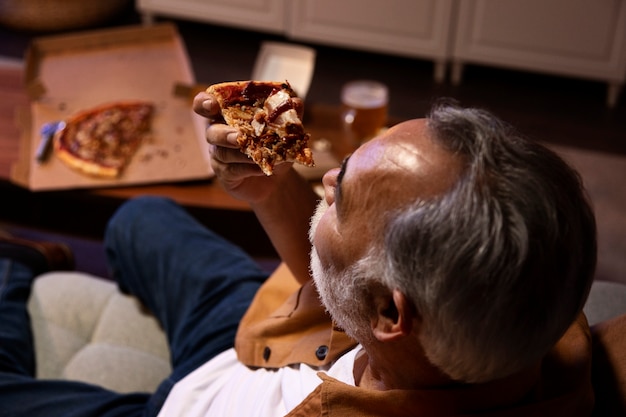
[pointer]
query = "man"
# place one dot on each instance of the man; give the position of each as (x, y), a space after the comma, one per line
(453, 255)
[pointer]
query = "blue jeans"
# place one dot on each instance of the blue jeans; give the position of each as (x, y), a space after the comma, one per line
(197, 284)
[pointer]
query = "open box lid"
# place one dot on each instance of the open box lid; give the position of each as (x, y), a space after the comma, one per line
(66, 74)
(277, 61)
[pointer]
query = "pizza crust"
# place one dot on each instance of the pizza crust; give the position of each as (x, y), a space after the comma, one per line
(264, 112)
(86, 167)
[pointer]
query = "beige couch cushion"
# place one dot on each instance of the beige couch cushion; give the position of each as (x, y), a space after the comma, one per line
(85, 329)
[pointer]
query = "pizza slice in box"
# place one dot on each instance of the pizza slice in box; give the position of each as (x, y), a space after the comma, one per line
(266, 115)
(101, 141)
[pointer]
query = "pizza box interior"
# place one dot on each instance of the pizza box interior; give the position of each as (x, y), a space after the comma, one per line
(67, 74)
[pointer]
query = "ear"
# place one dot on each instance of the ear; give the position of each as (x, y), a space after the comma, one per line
(394, 316)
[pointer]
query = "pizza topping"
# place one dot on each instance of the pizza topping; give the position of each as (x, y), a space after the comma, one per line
(277, 104)
(248, 94)
(258, 124)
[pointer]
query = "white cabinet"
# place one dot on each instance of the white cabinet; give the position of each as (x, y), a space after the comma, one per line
(263, 15)
(575, 38)
(414, 28)
(578, 38)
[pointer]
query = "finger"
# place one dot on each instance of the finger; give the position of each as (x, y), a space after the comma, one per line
(235, 172)
(281, 167)
(228, 155)
(222, 135)
(206, 105)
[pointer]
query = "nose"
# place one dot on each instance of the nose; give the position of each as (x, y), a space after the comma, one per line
(329, 182)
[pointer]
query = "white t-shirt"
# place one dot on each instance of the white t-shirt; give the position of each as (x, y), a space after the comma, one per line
(225, 387)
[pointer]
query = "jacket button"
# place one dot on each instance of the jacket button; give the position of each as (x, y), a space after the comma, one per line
(266, 353)
(321, 352)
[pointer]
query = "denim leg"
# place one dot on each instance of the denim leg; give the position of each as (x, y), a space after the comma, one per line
(22, 396)
(16, 339)
(196, 283)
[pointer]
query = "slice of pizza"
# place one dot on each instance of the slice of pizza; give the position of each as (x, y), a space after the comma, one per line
(266, 115)
(101, 141)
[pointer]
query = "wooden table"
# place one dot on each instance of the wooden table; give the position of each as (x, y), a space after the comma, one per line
(85, 212)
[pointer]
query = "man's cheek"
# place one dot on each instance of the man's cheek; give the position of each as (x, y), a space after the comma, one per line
(330, 251)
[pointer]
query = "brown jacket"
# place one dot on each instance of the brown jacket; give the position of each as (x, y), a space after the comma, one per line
(286, 324)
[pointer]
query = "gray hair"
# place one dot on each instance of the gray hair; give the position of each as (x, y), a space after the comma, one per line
(500, 265)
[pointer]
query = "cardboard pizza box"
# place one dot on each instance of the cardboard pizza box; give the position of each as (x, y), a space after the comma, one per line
(278, 61)
(66, 74)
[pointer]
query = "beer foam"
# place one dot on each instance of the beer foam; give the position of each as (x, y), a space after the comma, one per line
(364, 94)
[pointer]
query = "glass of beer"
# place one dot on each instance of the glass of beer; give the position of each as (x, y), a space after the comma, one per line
(364, 109)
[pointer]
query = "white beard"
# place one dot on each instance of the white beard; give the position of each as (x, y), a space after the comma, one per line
(319, 273)
(337, 289)
(320, 210)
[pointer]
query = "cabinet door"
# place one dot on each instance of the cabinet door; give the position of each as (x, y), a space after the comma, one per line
(417, 28)
(584, 38)
(264, 15)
